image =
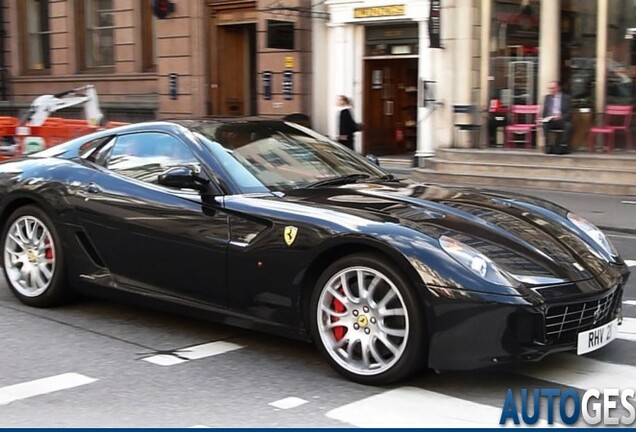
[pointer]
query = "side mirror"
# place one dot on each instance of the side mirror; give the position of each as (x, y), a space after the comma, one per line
(373, 159)
(183, 178)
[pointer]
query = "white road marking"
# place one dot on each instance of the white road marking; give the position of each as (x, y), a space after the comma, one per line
(193, 353)
(42, 386)
(164, 360)
(288, 403)
(412, 407)
(629, 302)
(627, 330)
(581, 372)
(629, 202)
(630, 263)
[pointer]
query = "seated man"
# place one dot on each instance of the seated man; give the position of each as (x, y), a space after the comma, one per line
(557, 116)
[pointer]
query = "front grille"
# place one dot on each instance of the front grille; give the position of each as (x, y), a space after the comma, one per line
(564, 322)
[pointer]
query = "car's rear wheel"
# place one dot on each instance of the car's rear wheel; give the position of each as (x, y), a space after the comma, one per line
(33, 261)
(367, 320)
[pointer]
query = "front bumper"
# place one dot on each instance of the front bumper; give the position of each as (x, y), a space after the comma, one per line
(475, 330)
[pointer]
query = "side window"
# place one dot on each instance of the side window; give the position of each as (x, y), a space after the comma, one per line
(143, 156)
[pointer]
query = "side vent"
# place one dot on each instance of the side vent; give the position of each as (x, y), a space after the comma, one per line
(89, 248)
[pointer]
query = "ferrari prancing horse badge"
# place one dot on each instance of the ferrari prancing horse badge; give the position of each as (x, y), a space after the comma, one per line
(290, 234)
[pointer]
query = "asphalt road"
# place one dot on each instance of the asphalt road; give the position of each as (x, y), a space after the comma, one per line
(103, 364)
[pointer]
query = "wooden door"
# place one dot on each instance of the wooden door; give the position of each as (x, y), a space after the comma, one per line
(390, 106)
(236, 62)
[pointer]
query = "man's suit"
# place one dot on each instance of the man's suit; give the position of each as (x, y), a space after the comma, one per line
(564, 123)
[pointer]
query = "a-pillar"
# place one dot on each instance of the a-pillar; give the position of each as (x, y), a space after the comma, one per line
(549, 51)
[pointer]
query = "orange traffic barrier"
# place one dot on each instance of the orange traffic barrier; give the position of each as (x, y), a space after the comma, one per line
(7, 137)
(54, 131)
(8, 125)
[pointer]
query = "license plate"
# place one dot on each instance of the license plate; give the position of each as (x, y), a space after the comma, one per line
(596, 338)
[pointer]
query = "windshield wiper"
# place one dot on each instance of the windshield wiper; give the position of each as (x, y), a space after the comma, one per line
(341, 179)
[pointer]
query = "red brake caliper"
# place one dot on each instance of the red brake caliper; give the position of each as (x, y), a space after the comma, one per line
(48, 251)
(338, 332)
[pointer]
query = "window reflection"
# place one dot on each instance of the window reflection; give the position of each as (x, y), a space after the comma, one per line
(143, 156)
(279, 155)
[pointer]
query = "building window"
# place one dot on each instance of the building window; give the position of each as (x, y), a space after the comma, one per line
(578, 52)
(34, 37)
(280, 34)
(515, 52)
(148, 40)
(95, 32)
(621, 53)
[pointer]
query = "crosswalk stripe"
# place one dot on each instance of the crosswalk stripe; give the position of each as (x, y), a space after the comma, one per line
(412, 407)
(630, 263)
(581, 372)
(627, 330)
(193, 353)
(629, 302)
(42, 386)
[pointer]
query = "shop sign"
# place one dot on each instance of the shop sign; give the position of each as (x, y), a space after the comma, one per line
(379, 11)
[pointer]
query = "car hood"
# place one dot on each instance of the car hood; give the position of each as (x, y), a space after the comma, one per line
(526, 236)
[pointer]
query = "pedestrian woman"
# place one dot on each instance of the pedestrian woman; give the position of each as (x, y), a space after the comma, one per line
(346, 125)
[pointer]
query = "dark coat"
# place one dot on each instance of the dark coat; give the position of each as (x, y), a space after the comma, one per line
(347, 127)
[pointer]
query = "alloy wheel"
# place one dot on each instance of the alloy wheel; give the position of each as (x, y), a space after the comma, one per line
(29, 256)
(363, 321)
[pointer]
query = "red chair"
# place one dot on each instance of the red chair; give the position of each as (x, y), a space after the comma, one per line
(622, 113)
(531, 113)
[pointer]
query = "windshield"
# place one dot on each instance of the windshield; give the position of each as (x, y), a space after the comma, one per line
(280, 155)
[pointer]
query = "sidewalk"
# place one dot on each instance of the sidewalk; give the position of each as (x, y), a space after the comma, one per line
(607, 212)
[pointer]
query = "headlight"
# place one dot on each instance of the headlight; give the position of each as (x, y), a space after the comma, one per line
(594, 233)
(474, 261)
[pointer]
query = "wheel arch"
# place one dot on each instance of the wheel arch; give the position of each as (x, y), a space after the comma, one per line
(14, 202)
(337, 251)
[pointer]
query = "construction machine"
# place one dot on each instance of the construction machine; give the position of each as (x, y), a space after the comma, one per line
(32, 123)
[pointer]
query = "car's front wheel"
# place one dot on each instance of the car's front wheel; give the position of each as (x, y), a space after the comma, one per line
(367, 321)
(33, 262)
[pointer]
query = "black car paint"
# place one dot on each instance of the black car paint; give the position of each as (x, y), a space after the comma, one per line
(223, 253)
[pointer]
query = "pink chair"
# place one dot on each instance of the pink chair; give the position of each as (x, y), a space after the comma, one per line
(526, 128)
(622, 113)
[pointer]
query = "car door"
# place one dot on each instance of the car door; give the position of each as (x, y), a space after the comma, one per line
(149, 236)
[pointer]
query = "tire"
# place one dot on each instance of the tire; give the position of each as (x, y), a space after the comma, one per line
(32, 258)
(371, 346)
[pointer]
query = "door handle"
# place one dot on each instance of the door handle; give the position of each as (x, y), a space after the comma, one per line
(388, 107)
(92, 188)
